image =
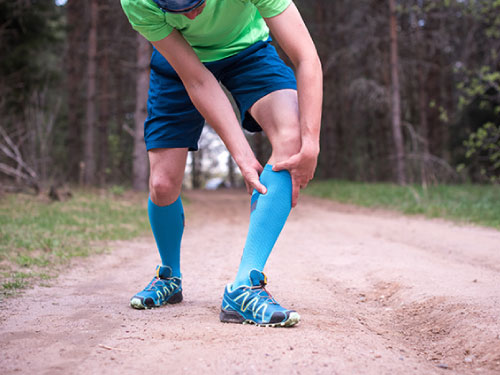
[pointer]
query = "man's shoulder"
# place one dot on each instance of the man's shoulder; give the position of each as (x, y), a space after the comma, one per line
(270, 8)
(147, 18)
(140, 6)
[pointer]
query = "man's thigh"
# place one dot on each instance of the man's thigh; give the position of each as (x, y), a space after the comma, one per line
(277, 113)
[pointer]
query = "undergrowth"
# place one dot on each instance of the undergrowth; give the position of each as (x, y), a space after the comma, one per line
(478, 204)
(38, 237)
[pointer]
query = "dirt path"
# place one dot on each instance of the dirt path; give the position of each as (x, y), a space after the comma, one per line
(378, 293)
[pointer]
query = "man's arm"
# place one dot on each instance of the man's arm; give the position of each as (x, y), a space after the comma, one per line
(291, 33)
(208, 97)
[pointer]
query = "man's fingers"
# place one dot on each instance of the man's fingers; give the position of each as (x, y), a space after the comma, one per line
(249, 188)
(259, 187)
(252, 181)
(295, 193)
(260, 169)
(281, 166)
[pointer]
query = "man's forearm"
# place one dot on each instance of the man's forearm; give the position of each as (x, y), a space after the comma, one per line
(208, 97)
(310, 97)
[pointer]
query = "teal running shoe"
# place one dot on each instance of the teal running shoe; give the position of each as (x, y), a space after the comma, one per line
(161, 290)
(254, 305)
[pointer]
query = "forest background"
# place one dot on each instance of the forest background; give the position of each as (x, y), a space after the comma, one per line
(411, 94)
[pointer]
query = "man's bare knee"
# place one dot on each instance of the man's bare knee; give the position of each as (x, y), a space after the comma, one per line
(164, 190)
(167, 171)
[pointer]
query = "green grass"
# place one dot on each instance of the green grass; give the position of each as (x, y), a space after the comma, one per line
(478, 204)
(38, 237)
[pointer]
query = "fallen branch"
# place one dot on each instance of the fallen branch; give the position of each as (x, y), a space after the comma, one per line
(437, 160)
(9, 171)
(111, 348)
(23, 171)
(128, 130)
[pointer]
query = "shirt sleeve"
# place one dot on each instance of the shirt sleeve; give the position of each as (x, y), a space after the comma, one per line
(271, 8)
(146, 18)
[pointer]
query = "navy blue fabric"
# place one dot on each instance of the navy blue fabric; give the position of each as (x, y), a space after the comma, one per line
(173, 121)
(178, 6)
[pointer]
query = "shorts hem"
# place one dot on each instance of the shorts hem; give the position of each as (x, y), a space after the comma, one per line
(259, 95)
(244, 107)
(171, 144)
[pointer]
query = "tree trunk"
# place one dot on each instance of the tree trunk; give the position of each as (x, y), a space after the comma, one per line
(196, 169)
(140, 166)
(418, 45)
(396, 99)
(326, 160)
(89, 152)
(104, 120)
(74, 73)
(424, 127)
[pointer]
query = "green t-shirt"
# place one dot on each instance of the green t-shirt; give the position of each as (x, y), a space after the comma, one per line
(224, 28)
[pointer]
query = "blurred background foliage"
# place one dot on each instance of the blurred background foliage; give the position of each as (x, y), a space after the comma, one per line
(71, 94)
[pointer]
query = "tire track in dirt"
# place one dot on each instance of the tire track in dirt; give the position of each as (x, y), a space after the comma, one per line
(379, 293)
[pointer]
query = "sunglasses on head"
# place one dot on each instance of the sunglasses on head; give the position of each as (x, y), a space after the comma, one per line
(179, 6)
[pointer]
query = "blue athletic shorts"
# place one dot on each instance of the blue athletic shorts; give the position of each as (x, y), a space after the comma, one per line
(174, 122)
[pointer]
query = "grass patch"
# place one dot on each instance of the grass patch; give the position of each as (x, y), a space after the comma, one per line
(478, 204)
(37, 236)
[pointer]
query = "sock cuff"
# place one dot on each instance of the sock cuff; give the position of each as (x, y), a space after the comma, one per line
(268, 168)
(173, 204)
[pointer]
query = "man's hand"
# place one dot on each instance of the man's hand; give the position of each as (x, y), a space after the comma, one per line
(301, 167)
(251, 172)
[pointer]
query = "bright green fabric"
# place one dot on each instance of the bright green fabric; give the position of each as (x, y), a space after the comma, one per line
(224, 28)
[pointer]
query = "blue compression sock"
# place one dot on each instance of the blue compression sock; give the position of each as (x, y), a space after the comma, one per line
(167, 223)
(267, 218)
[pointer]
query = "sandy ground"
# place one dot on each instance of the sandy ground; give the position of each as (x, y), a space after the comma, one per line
(379, 293)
